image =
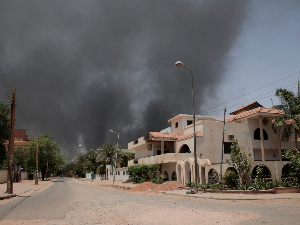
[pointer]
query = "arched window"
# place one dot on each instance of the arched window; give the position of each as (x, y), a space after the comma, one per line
(257, 134)
(184, 149)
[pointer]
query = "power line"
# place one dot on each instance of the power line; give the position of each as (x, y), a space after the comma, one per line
(259, 97)
(203, 112)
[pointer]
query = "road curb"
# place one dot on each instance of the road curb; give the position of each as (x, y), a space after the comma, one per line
(8, 196)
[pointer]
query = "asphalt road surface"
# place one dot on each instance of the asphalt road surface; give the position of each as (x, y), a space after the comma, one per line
(69, 202)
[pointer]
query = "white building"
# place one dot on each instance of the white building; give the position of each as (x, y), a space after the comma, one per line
(174, 151)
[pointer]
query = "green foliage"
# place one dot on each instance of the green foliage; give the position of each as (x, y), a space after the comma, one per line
(4, 130)
(290, 105)
(190, 184)
(293, 155)
(240, 161)
(47, 149)
(87, 162)
(110, 154)
(125, 157)
(229, 178)
(156, 180)
(142, 173)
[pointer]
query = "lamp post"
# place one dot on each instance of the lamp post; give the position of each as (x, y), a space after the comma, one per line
(180, 64)
(116, 154)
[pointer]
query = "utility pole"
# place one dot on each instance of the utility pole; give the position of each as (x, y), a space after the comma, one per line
(10, 157)
(37, 161)
(223, 144)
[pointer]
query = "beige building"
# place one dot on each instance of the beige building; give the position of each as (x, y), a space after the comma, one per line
(20, 138)
(173, 148)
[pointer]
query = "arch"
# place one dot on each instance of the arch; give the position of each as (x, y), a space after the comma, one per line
(180, 176)
(184, 149)
(187, 174)
(174, 176)
(257, 134)
(232, 169)
(213, 176)
(265, 173)
(166, 175)
(286, 171)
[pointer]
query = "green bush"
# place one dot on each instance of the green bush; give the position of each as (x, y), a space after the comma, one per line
(142, 173)
(230, 178)
(156, 180)
(190, 184)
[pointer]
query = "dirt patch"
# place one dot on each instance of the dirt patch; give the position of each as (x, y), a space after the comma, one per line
(146, 186)
(151, 187)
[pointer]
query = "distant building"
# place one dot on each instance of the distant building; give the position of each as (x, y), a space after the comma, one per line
(20, 138)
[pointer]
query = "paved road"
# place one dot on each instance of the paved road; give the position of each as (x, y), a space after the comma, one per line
(70, 202)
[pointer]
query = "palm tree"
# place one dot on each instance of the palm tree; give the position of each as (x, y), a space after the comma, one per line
(111, 154)
(290, 105)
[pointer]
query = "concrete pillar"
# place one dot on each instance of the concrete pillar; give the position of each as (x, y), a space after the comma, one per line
(262, 139)
(162, 147)
(279, 143)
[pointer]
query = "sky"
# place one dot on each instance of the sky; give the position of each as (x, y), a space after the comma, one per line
(82, 68)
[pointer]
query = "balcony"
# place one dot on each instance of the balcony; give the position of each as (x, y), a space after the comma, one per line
(164, 158)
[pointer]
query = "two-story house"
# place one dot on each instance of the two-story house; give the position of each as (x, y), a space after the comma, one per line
(173, 148)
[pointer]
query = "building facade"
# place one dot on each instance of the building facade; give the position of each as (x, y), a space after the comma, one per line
(252, 125)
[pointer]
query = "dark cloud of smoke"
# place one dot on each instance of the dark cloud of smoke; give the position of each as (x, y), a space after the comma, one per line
(82, 68)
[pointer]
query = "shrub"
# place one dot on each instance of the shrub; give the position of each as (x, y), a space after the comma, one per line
(240, 161)
(157, 180)
(230, 178)
(190, 184)
(142, 173)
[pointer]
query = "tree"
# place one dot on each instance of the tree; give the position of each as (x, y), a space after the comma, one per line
(293, 155)
(48, 149)
(4, 130)
(240, 161)
(109, 153)
(80, 161)
(290, 105)
(125, 157)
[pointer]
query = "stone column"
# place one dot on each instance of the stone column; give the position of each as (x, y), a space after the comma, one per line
(279, 143)
(262, 139)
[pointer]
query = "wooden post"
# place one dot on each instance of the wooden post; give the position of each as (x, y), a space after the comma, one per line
(37, 161)
(10, 157)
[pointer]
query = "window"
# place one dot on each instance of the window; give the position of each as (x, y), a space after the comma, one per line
(167, 152)
(257, 134)
(176, 124)
(158, 152)
(227, 147)
(123, 172)
(189, 122)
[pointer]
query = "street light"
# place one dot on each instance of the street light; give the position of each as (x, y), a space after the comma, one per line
(180, 64)
(116, 155)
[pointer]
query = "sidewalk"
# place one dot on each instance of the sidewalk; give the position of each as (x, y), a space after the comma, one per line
(218, 196)
(23, 187)
(224, 196)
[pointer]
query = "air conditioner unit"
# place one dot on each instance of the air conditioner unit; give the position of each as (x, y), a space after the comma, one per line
(230, 136)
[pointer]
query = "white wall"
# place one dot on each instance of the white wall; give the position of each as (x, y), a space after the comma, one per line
(24, 176)
(121, 173)
(3, 176)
